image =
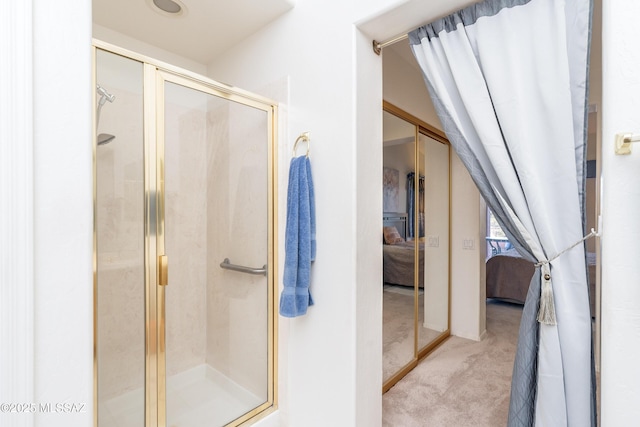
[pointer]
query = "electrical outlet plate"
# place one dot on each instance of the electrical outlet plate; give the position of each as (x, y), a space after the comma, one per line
(468, 244)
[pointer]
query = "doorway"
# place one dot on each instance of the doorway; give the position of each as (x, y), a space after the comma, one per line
(184, 312)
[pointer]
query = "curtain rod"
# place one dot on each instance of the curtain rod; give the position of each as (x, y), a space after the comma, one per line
(377, 46)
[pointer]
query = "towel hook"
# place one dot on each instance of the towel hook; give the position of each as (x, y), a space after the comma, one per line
(304, 137)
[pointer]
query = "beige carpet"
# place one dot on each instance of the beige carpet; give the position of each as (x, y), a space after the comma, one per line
(397, 331)
(397, 328)
(463, 382)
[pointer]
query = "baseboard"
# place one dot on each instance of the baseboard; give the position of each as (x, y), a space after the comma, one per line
(478, 338)
(434, 327)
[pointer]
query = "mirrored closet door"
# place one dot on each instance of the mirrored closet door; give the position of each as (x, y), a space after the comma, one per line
(416, 252)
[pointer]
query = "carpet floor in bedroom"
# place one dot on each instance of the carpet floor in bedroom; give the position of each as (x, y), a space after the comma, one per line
(463, 382)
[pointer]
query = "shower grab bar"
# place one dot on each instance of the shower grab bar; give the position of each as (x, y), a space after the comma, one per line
(226, 264)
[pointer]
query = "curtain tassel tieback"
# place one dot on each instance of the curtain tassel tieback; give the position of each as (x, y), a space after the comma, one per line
(547, 310)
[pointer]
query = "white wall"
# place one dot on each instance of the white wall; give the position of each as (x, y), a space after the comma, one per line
(403, 84)
(63, 221)
(468, 289)
(16, 209)
(620, 369)
(49, 329)
(368, 292)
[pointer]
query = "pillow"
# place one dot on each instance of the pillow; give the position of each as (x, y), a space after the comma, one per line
(391, 236)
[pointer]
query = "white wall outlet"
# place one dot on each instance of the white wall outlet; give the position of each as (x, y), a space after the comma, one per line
(433, 241)
(468, 244)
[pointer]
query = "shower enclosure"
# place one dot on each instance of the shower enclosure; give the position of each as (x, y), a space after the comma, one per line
(184, 227)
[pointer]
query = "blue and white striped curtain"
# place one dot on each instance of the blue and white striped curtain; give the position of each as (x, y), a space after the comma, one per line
(509, 79)
(411, 185)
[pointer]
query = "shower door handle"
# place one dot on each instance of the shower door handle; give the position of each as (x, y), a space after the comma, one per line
(226, 264)
(163, 270)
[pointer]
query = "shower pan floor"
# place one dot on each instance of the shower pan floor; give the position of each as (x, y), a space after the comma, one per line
(197, 397)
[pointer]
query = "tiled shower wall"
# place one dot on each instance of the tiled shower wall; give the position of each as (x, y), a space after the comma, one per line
(237, 195)
(186, 231)
(120, 243)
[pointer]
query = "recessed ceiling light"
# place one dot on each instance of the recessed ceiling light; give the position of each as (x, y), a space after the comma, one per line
(170, 8)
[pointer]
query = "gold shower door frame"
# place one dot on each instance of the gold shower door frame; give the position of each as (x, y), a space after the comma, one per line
(156, 74)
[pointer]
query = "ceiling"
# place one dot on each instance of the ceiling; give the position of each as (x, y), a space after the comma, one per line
(209, 27)
(409, 15)
(206, 29)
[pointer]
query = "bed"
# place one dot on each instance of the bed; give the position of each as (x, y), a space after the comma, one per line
(398, 254)
(509, 276)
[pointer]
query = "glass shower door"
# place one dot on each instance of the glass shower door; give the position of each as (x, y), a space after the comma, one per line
(120, 242)
(214, 196)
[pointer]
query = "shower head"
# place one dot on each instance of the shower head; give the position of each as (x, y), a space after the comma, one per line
(104, 95)
(105, 138)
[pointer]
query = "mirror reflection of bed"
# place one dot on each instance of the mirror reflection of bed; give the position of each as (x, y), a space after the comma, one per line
(398, 293)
